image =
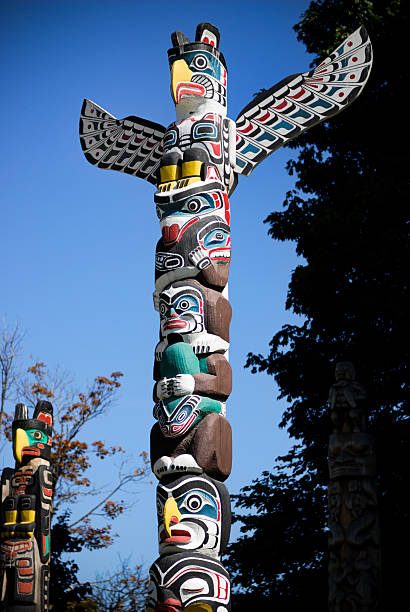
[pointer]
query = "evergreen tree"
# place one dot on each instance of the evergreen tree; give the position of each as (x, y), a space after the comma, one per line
(347, 217)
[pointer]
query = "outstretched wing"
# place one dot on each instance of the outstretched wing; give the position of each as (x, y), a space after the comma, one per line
(130, 145)
(301, 101)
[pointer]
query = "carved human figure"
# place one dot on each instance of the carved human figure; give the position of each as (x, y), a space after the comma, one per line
(345, 398)
(25, 513)
(200, 315)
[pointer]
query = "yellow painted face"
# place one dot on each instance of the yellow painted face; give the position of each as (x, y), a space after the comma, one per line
(198, 607)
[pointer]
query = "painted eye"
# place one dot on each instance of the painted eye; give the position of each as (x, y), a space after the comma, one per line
(200, 62)
(218, 236)
(160, 508)
(184, 305)
(191, 587)
(162, 309)
(193, 205)
(37, 435)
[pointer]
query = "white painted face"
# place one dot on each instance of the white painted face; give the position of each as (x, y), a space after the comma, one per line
(181, 310)
(197, 520)
(184, 582)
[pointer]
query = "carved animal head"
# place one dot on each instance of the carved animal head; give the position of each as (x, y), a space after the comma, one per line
(198, 72)
(32, 437)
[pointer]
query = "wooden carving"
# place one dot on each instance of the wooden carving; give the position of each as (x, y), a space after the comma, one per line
(195, 163)
(26, 499)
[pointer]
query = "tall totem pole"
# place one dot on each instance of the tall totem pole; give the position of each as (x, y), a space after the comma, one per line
(195, 164)
(26, 501)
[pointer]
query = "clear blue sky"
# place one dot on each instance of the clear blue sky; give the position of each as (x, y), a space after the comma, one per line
(78, 243)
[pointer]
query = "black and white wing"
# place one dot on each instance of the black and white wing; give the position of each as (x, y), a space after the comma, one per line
(301, 101)
(130, 145)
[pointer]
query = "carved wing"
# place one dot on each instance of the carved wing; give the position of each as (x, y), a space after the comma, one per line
(301, 101)
(130, 145)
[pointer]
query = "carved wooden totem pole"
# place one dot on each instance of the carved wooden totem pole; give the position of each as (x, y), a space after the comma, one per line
(194, 164)
(26, 499)
(354, 541)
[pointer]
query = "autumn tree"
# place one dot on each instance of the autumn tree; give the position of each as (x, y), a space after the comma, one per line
(348, 218)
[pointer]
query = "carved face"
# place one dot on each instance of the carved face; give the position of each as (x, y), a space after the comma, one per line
(188, 583)
(193, 514)
(351, 455)
(32, 437)
(189, 309)
(177, 216)
(344, 371)
(206, 242)
(181, 310)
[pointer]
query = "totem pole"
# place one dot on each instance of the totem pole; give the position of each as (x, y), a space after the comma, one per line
(194, 164)
(354, 540)
(26, 502)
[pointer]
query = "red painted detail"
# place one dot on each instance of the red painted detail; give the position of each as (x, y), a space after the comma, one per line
(44, 416)
(264, 117)
(281, 105)
(96, 153)
(126, 136)
(178, 536)
(175, 324)
(189, 89)
(170, 233)
(212, 173)
(25, 587)
(26, 572)
(169, 605)
(352, 76)
(299, 94)
(216, 146)
(40, 445)
(341, 95)
(150, 144)
(47, 492)
(222, 591)
(211, 117)
(246, 130)
(89, 126)
(137, 139)
(90, 142)
(227, 211)
(23, 563)
(30, 450)
(206, 40)
(320, 71)
(350, 44)
(354, 59)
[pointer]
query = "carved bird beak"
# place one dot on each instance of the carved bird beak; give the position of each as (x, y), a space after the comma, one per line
(171, 514)
(180, 73)
(20, 441)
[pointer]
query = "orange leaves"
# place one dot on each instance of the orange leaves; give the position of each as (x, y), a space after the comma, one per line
(113, 509)
(94, 537)
(101, 451)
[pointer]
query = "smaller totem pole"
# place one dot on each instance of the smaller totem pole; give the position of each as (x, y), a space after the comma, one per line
(354, 542)
(26, 501)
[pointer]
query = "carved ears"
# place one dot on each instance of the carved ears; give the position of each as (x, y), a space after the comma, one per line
(208, 33)
(44, 412)
(205, 33)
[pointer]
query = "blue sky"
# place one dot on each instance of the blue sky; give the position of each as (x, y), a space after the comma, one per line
(78, 243)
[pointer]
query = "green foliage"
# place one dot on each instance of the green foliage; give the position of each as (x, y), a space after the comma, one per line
(347, 217)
